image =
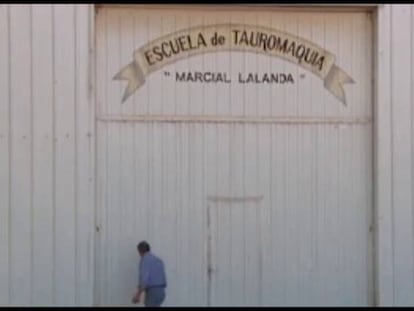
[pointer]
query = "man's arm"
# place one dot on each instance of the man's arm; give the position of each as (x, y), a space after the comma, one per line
(143, 279)
(144, 272)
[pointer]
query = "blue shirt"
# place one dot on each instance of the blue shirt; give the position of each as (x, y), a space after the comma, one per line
(151, 272)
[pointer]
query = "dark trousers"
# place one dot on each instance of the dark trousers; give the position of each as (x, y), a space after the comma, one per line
(154, 296)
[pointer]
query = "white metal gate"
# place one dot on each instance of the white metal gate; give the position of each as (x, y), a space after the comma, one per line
(231, 280)
(252, 193)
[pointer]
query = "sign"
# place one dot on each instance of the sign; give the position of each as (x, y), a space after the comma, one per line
(233, 37)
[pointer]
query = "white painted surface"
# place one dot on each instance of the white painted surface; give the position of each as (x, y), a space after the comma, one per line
(5, 139)
(395, 245)
(47, 156)
(315, 179)
(32, 179)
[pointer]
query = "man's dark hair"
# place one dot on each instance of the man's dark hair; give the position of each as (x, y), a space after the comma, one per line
(143, 247)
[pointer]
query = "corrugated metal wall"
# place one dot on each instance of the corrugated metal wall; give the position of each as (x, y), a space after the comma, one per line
(180, 145)
(395, 154)
(46, 155)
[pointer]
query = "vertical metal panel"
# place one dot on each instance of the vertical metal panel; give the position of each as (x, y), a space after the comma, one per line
(410, 299)
(47, 150)
(5, 137)
(401, 89)
(383, 165)
(394, 167)
(21, 152)
(101, 175)
(65, 153)
(85, 144)
(43, 154)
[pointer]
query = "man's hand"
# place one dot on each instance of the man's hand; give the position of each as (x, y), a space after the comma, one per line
(135, 299)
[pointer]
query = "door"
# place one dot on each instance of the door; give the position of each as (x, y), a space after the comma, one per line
(247, 169)
(234, 251)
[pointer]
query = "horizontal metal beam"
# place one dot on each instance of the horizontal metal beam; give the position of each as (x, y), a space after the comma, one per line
(326, 7)
(233, 119)
(224, 199)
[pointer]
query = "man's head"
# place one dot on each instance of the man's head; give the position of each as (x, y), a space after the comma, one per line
(143, 247)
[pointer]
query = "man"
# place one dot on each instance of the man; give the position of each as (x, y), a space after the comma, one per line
(152, 279)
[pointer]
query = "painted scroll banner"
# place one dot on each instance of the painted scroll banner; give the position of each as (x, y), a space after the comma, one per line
(233, 37)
